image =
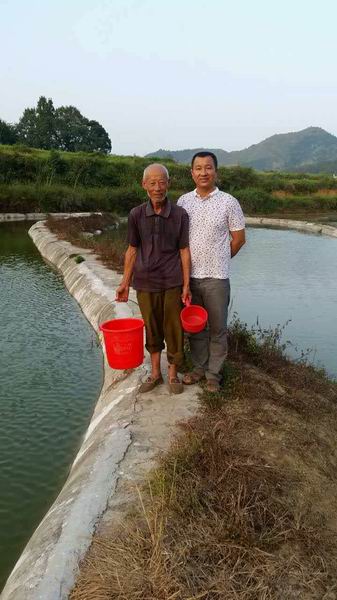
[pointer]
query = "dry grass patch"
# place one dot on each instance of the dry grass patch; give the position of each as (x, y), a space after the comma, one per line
(110, 245)
(241, 507)
(326, 192)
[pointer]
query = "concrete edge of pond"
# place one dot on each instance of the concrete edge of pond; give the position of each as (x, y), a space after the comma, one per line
(122, 441)
(9, 217)
(318, 228)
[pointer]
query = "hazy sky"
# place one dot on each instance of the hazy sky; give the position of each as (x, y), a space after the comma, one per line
(174, 74)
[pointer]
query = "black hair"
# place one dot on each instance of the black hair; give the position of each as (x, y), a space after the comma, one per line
(203, 154)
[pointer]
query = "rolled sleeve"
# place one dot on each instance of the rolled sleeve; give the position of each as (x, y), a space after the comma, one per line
(184, 231)
(133, 231)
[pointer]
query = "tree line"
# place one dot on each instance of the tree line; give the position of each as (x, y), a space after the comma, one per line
(50, 128)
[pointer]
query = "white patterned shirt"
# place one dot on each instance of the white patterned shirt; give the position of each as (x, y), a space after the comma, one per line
(211, 220)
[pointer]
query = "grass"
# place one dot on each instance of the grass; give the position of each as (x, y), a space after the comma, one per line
(243, 504)
(110, 248)
(51, 181)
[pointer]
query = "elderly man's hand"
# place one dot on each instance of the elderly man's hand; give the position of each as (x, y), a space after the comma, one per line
(122, 293)
(186, 296)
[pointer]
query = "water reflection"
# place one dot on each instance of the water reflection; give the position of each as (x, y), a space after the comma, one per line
(50, 377)
(281, 275)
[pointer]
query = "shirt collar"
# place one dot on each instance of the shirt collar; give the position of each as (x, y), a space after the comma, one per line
(149, 212)
(204, 197)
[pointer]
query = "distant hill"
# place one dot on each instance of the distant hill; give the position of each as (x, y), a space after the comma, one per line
(185, 156)
(329, 167)
(298, 150)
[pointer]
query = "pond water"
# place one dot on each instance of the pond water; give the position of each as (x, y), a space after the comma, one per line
(50, 376)
(282, 275)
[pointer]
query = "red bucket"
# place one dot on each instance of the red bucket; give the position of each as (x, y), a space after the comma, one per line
(124, 342)
(193, 318)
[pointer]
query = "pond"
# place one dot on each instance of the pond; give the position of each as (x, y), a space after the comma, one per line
(51, 370)
(282, 275)
(51, 365)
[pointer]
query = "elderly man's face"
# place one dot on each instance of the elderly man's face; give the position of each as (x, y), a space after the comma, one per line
(156, 185)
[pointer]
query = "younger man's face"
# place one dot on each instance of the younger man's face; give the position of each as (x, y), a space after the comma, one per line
(204, 173)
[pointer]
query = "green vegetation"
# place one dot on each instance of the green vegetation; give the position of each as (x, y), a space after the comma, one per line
(63, 128)
(53, 181)
(79, 259)
(300, 150)
(7, 133)
(110, 244)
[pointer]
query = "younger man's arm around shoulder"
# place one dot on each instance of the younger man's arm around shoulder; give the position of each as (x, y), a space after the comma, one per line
(180, 201)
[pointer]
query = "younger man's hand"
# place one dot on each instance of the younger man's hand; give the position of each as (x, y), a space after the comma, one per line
(122, 293)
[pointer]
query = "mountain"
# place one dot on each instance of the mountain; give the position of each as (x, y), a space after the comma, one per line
(185, 156)
(329, 166)
(281, 152)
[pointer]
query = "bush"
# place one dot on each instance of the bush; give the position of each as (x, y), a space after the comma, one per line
(255, 200)
(232, 179)
(325, 202)
(56, 198)
(60, 198)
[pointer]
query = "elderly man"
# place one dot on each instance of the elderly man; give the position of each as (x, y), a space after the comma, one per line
(216, 235)
(158, 259)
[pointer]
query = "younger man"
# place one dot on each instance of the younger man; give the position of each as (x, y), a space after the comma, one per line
(216, 235)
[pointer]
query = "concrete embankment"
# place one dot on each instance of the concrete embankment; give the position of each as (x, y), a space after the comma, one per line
(307, 226)
(8, 217)
(120, 446)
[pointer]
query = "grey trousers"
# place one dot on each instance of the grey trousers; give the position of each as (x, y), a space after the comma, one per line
(209, 347)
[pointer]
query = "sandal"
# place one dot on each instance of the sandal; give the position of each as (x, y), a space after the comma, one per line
(149, 384)
(192, 377)
(212, 386)
(175, 386)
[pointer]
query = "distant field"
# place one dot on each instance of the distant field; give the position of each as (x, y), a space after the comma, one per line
(42, 180)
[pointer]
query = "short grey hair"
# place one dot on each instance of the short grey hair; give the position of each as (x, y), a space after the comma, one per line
(157, 165)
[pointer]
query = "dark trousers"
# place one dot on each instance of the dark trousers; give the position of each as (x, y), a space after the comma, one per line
(161, 314)
(209, 347)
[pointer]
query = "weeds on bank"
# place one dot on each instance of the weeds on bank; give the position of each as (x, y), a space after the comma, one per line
(266, 349)
(257, 341)
(110, 244)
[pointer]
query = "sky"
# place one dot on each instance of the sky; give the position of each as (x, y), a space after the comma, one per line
(174, 75)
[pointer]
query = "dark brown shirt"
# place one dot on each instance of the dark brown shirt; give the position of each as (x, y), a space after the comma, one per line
(158, 239)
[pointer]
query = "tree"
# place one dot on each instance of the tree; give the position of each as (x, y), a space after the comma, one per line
(36, 127)
(99, 139)
(64, 128)
(7, 133)
(76, 133)
(71, 128)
